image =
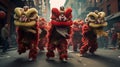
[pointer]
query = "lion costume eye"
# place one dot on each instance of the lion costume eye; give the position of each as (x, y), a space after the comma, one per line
(33, 16)
(92, 17)
(32, 13)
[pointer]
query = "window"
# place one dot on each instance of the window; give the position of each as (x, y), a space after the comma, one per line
(108, 9)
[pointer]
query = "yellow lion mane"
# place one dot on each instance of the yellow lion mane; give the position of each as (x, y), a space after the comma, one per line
(20, 11)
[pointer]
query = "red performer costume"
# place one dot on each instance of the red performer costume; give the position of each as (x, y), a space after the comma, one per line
(27, 30)
(59, 32)
(43, 33)
(76, 34)
(93, 28)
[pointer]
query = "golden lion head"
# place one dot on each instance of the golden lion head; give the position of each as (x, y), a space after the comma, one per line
(96, 19)
(25, 16)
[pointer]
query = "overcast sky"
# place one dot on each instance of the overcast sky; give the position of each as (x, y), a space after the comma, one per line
(57, 3)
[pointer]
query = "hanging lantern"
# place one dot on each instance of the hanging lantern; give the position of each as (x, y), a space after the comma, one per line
(2, 14)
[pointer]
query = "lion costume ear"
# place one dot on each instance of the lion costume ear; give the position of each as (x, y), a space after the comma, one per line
(92, 14)
(101, 14)
(68, 13)
(18, 11)
(55, 12)
(31, 10)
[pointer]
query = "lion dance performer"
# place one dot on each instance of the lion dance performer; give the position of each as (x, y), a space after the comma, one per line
(59, 32)
(43, 33)
(95, 21)
(26, 22)
(76, 34)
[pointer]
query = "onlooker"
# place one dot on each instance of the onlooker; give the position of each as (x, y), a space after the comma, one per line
(4, 35)
(103, 41)
(118, 43)
(114, 38)
(109, 36)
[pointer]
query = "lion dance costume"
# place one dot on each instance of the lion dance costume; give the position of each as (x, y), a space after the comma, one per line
(27, 30)
(59, 32)
(91, 30)
(43, 34)
(76, 34)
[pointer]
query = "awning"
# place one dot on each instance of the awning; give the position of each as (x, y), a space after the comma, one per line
(113, 16)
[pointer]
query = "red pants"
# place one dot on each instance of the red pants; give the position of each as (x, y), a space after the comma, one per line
(42, 43)
(32, 46)
(61, 48)
(88, 44)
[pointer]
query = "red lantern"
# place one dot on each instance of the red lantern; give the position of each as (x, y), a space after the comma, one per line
(2, 14)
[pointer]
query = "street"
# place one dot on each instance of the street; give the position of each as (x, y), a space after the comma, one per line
(103, 58)
(52, 22)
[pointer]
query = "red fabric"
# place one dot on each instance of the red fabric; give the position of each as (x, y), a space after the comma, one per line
(33, 46)
(86, 44)
(61, 47)
(69, 23)
(55, 13)
(68, 13)
(89, 40)
(114, 36)
(76, 36)
(42, 43)
(62, 42)
(85, 28)
(76, 41)
(42, 23)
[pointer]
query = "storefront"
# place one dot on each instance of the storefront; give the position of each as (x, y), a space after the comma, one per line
(114, 21)
(7, 7)
(117, 26)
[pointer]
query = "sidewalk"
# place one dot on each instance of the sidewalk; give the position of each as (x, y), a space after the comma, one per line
(10, 49)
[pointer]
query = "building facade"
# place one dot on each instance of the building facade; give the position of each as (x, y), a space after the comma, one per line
(74, 4)
(43, 7)
(8, 7)
(112, 9)
(86, 7)
(81, 7)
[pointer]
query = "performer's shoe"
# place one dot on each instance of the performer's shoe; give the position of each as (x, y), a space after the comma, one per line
(64, 60)
(75, 50)
(92, 54)
(20, 53)
(83, 55)
(50, 58)
(31, 59)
